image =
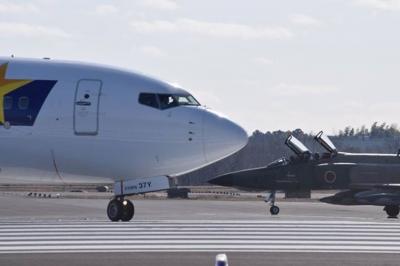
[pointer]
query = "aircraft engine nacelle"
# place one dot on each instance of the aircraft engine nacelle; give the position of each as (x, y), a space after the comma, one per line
(378, 197)
(341, 198)
(365, 197)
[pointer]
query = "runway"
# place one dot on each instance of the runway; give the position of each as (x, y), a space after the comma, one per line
(191, 232)
(199, 236)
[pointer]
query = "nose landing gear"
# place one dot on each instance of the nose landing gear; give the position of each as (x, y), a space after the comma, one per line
(274, 210)
(120, 209)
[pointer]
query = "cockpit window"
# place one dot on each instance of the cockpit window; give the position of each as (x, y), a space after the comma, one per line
(323, 139)
(187, 100)
(173, 100)
(149, 99)
(165, 101)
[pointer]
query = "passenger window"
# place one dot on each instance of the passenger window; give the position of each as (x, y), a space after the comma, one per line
(149, 99)
(8, 102)
(23, 103)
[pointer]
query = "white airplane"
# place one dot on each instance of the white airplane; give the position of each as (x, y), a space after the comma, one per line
(76, 122)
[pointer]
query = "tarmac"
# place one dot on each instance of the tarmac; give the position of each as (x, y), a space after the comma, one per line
(57, 231)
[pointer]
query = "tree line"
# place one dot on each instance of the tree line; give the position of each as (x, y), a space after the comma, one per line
(375, 131)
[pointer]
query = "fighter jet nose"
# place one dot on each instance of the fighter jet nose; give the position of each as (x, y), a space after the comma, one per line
(225, 180)
(222, 137)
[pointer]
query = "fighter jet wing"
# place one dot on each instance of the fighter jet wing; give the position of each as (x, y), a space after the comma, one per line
(335, 164)
(367, 186)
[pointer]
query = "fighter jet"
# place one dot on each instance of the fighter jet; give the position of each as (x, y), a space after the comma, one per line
(364, 178)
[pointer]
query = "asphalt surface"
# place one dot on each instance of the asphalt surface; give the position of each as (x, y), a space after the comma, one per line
(192, 232)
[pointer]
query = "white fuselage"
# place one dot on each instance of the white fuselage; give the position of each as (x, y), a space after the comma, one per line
(63, 121)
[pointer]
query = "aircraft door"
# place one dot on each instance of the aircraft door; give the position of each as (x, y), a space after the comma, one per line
(86, 107)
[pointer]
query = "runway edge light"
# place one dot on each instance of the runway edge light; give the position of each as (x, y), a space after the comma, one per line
(221, 260)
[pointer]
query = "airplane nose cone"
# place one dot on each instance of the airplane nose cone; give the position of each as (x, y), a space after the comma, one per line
(222, 137)
(225, 180)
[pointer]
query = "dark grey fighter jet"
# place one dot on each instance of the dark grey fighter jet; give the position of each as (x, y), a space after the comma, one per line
(366, 179)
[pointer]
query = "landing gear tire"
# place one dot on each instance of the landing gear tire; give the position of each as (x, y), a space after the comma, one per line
(128, 210)
(114, 210)
(274, 210)
(392, 211)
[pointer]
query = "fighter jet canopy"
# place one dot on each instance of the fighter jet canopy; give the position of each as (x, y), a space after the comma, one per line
(325, 142)
(296, 146)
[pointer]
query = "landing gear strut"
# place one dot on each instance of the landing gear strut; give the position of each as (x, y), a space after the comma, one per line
(120, 209)
(392, 211)
(274, 210)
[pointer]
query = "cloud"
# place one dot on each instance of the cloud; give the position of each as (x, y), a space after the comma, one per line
(393, 5)
(154, 26)
(160, 4)
(263, 61)
(29, 30)
(105, 9)
(215, 29)
(7, 7)
(286, 89)
(152, 51)
(304, 20)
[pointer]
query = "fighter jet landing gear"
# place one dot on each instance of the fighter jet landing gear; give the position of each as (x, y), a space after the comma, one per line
(120, 209)
(274, 210)
(392, 211)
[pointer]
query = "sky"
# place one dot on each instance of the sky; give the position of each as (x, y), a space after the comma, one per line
(269, 65)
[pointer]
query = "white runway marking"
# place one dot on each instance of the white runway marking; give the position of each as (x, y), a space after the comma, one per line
(199, 236)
